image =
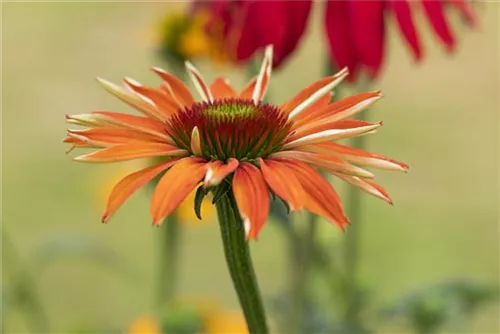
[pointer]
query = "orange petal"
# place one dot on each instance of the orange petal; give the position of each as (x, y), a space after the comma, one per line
(264, 75)
(217, 171)
(367, 186)
(175, 186)
(128, 185)
(131, 98)
(319, 196)
(176, 88)
(328, 135)
(282, 182)
(164, 103)
(355, 155)
(199, 83)
(312, 93)
(131, 151)
(338, 110)
(221, 89)
(247, 92)
(324, 161)
(318, 105)
(252, 197)
(320, 127)
(102, 137)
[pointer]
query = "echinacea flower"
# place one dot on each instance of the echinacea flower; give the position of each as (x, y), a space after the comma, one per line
(355, 30)
(232, 141)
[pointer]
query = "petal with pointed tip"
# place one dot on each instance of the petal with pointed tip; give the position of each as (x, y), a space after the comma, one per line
(282, 182)
(264, 75)
(252, 197)
(199, 82)
(131, 98)
(367, 186)
(177, 183)
(312, 93)
(221, 89)
(130, 151)
(130, 184)
(176, 88)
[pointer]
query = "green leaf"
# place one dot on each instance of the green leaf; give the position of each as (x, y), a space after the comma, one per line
(198, 200)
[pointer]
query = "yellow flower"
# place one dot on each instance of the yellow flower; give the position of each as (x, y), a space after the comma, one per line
(144, 325)
(184, 36)
(225, 322)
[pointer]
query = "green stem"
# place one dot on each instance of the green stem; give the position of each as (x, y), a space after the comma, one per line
(351, 252)
(169, 244)
(303, 256)
(240, 266)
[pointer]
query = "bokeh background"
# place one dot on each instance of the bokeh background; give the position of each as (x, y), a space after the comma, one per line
(441, 117)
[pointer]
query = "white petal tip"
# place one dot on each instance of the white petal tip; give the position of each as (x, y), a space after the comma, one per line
(246, 226)
(132, 82)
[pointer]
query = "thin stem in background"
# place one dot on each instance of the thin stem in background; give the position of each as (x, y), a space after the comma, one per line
(25, 288)
(169, 264)
(351, 246)
(240, 265)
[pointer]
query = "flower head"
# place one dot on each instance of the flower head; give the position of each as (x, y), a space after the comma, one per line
(232, 141)
(355, 30)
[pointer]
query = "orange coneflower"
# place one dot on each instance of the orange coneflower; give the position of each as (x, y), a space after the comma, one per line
(235, 142)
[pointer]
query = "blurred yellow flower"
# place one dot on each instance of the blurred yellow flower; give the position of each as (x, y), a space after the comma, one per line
(225, 322)
(184, 36)
(144, 325)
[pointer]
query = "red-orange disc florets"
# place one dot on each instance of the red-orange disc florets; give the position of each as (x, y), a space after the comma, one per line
(231, 128)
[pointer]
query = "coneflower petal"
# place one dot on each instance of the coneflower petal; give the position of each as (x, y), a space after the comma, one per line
(314, 108)
(176, 88)
(357, 156)
(195, 141)
(264, 75)
(252, 197)
(130, 151)
(111, 136)
(199, 83)
(221, 89)
(217, 171)
(311, 94)
(369, 43)
(130, 184)
(164, 103)
(327, 162)
(329, 135)
(318, 195)
(338, 110)
(465, 9)
(404, 17)
(175, 186)
(282, 182)
(320, 126)
(131, 98)
(435, 13)
(247, 91)
(367, 186)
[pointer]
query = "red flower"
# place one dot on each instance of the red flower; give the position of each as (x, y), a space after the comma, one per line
(355, 30)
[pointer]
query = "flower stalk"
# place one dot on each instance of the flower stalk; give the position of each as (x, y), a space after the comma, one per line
(169, 256)
(240, 265)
